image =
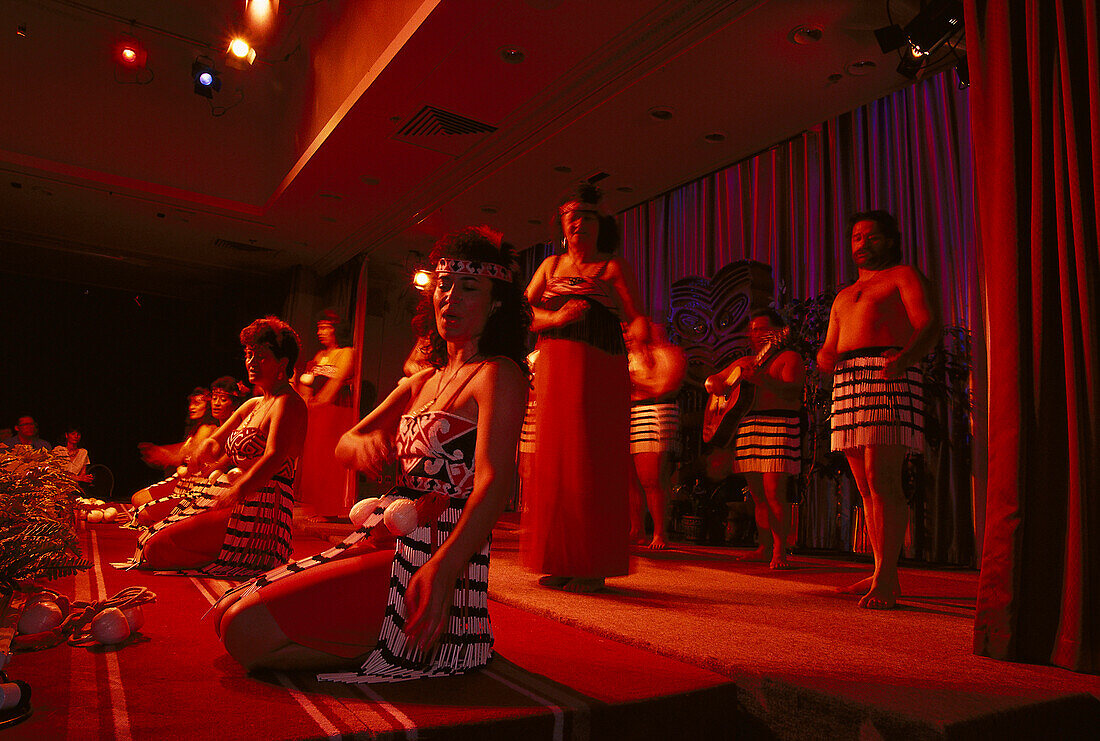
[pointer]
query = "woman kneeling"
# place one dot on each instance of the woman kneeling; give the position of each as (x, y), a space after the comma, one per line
(453, 429)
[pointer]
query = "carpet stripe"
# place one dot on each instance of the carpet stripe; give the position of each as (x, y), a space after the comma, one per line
(558, 712)
(404, 720)
(114, 675)
(307, 705)
(203, 590)
(83, 716)
(354, 717)
(565, 697)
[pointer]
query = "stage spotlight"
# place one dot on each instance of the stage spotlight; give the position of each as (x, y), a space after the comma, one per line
(421, 279)
(130, 53)
(205, 77)
(240, 54)
(940, 20)
(910, 64)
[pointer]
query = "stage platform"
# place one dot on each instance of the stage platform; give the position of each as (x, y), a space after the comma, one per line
(691, 645)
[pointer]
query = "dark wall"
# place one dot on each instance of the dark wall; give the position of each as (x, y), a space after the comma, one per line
(119, 364)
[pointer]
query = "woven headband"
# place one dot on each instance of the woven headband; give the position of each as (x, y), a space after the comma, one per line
(577, 206)
(473, 267)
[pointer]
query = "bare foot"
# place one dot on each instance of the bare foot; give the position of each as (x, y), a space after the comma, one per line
(780, 562)
(658, 543)
(636, 538)
(883, 594)
(584, 586)
(760, 554)
(860, 587)
(879, 599)
(554, 582)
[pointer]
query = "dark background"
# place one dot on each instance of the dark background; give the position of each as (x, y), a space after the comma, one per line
(119, 364)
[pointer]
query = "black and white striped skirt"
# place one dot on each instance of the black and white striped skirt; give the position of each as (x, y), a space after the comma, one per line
(869, 409)
(768, 441)
(654, 428)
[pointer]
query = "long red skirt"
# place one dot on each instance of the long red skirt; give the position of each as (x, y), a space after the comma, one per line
(323, 487)
(577, 518)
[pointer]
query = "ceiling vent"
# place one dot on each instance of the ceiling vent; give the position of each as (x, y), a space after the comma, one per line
(442, 131)
(228, 244)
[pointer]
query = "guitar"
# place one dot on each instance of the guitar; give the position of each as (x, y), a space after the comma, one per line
(725, 411)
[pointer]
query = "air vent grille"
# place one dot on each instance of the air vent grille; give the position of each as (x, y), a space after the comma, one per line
(228, 244)
(431, 121)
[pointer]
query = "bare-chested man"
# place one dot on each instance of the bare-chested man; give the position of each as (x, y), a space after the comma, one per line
(879, 328)
(767, 447)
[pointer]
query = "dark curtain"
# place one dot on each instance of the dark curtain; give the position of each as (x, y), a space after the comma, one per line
(1035, 68)
(909, 153)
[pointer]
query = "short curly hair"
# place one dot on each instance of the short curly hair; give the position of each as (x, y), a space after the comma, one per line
(505, 330)
(277, 335)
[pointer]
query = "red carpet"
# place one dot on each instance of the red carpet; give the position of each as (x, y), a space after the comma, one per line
(175, 681)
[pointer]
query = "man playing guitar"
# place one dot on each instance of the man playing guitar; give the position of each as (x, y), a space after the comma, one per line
(767, 444)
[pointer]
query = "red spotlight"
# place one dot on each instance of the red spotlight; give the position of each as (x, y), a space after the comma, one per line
(131, 54)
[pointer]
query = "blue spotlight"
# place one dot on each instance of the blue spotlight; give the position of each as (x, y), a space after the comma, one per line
(205, 77)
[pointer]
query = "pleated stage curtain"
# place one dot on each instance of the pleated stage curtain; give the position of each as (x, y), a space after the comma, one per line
(909, 153)
(1035, 67)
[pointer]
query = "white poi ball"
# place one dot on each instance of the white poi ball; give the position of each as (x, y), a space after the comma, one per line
(400, 517)
(98, 502)
(233, 474)
(110, 626)
(306, 379)
(216, 476)
(95, 515)
(39, 617)
(110, 514)
(361, 510)
(135, 618)
(181, 470)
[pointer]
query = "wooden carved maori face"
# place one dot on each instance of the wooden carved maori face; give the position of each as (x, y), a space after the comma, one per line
(710, 317)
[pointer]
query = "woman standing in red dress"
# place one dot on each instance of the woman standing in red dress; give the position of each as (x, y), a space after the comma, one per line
(577, 516)
(323, 483)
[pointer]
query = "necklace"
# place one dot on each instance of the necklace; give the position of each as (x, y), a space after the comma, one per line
(442, 386)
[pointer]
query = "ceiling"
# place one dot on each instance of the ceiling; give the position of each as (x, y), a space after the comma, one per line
(335, 142)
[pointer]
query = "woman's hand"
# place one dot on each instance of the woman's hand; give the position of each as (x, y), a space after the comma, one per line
(228, 497)
(204, 456)
(428, 600)
(154, 455)
(368, 452)
(572, 310)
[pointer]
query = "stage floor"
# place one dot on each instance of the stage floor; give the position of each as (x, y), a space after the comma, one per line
(692, 644)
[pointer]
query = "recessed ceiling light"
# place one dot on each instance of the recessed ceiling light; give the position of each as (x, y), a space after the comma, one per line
(804, 35)
(535, 222)
(512, 54)
(330, 196)
(714, 137)
(368, 180)
(862, 67)
(835, 77)
(563, 168)
(329, 219)
(489, 209)
(625, 189)
(661, 113)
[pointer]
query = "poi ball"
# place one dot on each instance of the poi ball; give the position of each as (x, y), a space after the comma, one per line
(306, 378)
(216, 476)
(98, 502)
(39, 617)
(181, 470)
(110, 514)
(135, 618)
(400, 517)
(361, 510)
(110, 626)
(96, 515)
